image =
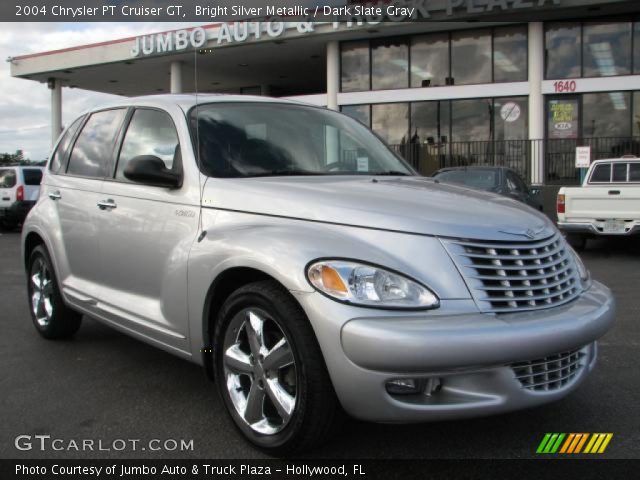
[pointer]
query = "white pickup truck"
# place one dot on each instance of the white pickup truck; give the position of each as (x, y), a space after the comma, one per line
(607, 203)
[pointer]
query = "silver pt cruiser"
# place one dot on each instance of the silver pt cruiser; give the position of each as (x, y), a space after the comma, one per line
(309, 269)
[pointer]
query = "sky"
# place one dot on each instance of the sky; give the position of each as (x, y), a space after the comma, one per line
(25, 121)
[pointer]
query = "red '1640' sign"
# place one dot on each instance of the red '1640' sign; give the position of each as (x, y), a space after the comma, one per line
(565, 86)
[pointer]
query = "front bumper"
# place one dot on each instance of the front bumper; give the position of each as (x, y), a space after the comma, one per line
(470, 354)
(596, 228)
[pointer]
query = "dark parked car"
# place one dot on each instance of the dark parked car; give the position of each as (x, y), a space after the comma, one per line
(501, 180)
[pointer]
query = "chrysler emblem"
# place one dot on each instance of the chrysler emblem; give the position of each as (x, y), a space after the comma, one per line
(529, 232)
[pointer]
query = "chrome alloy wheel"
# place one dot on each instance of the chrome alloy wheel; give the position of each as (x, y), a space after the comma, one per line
(41, 292)
(260, 371)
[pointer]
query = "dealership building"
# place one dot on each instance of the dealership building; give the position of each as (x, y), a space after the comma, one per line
(464, 90)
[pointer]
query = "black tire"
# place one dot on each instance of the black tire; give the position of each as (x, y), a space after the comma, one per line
(577, 241)
(53, 320)
(317, 412)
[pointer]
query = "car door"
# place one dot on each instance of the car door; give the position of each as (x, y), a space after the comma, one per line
(72, 191)
(146, 232)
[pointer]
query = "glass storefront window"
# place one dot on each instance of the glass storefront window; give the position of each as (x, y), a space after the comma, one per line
(606, 49)
(389, 64)
(429, 60)
(472, 120)
(391, 122)
(636, 114)
(563, 118)
(471, 57)
(430, 122)
(562, 47)
(511, 118)
(355, 66)
(636, 47)
(362, 113)
(606, 114)
(510, 54)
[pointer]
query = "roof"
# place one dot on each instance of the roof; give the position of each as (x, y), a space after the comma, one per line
(624, 158)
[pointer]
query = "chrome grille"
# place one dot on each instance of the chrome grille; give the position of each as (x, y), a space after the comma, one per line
(507, 277)
(549, 373)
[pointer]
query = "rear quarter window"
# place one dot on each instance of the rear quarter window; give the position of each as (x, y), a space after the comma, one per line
(92, 151)
(8, 178)
(634, 172)
(59, 156)
(32, 176)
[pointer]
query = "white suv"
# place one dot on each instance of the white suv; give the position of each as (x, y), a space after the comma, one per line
(19, 190)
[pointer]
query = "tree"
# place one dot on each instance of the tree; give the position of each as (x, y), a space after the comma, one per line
(16, 158)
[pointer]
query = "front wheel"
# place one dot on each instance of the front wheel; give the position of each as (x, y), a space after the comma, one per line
(51, 317)
(577, 241)
(270, 371)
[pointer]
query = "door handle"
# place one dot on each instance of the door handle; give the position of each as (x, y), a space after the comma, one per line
(106, 204)
(55, 195)
(614, 192)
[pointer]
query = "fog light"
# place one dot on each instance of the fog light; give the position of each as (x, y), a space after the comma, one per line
(411, 386)
(403, 386)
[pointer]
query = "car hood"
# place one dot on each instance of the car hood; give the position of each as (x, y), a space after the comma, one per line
(415, 205)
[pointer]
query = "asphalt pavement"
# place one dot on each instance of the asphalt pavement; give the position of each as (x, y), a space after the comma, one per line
(105, 386)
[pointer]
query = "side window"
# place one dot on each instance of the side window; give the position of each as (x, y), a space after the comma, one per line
(512, 183)
(601, 174)
(520, 185)
(150, 132)
(8, 178)
(60, 154)
(92, 151)
(32, 176)
(634, 172)
(619, 172)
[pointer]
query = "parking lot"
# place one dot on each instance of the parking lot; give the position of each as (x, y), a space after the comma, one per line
(105, 385)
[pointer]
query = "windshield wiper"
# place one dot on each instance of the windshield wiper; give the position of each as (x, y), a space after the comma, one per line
(392, 173)
(283, 172)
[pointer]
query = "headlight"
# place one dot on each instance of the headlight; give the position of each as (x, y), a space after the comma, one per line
(585, 276)
(368, 285)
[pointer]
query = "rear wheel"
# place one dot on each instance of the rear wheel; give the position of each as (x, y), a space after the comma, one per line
(270, 371)
(51, 317)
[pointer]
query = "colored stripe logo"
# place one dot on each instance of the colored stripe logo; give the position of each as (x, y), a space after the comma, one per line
(574, 443)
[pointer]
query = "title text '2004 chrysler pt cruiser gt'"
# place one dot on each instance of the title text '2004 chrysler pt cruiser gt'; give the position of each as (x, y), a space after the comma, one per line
(308, 268)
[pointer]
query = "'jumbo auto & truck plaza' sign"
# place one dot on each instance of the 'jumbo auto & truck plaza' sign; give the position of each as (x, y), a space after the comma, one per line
(343, 16)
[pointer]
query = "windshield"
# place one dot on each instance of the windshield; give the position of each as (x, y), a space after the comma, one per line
(254, 139)
(474, 178)
(8, 178)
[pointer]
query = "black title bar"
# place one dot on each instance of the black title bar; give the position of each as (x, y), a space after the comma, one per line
(287, 10)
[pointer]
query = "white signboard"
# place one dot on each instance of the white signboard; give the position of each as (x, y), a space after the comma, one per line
(583, 157)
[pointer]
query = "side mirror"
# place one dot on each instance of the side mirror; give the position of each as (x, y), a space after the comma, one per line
(534, 191)
(151, 170)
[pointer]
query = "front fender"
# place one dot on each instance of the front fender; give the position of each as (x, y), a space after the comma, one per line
(282, 247)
